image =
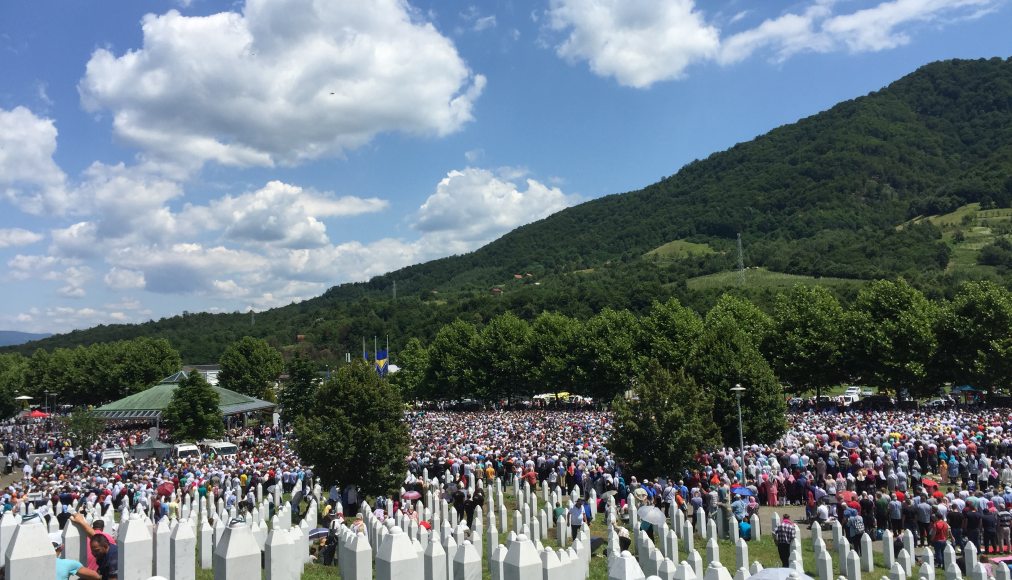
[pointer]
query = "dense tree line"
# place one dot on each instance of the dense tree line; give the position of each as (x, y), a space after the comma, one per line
(86, 375)
(891, 337)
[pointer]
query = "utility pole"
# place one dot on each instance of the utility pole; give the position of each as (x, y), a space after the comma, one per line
(741, 263)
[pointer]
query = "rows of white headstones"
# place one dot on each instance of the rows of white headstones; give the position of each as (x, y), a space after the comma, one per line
(234, 547)
(239, 548)
(655, 563)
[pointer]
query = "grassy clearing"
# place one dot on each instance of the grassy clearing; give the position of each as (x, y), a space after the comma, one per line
(763, 278)
(679, 249)
(967, 230)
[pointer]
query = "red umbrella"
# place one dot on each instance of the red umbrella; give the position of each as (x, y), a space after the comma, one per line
(165, 489)
(37, 414)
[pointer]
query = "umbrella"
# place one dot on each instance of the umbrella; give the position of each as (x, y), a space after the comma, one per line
(640, 494)
(411, 495)
(929, 482)
(651, 514)
(608, 494)
(779, 574)
(850, 444)
(317, 533)
(165, 489)
(23, 398)
(742, 491)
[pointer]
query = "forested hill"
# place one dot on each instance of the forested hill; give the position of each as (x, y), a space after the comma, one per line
(839, 194)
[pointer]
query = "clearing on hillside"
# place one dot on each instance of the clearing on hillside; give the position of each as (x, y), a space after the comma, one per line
(967, 230)
(763, 278)
(679, 249)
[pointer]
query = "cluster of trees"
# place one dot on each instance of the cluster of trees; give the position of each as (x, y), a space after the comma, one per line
(86, 375)
(892, 337)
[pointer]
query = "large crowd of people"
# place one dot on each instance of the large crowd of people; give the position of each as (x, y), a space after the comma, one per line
(52, 468)
(939, 471)
(869, 470)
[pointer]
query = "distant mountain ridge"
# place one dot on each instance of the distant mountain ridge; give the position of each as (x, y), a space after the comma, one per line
(14, 337)
(837, 194)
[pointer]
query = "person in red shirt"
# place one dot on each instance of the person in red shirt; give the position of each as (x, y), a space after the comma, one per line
(939, 536)
(97, 528)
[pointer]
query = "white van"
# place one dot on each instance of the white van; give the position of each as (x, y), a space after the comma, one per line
(185, 451)
(220, 447)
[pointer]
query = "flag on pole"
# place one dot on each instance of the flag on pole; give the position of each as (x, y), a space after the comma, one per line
(381, 363)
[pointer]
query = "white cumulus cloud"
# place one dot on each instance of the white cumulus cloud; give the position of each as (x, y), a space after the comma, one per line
(281, 82)
(124, 279)
(17, 237)
(642, 42)
(638, 42)
(474, 206)
(29, 177)
(280, 214)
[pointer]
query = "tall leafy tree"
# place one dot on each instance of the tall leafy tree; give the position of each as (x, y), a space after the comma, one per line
(194, 412)
(661, 426)
(12, 376)
(975, 337)
(725, 356)
(609, 353)
(891, 336)
(298, 392)
(451, 372)
(504, 357)
(147, 360)
(84, 427)
(358, 435)
(413, 365)
(743, 314)
(670, 331)
(554, 340)
(805, 346)
(250, 366)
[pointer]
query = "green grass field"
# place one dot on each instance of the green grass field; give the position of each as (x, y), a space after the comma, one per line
(763, 278)
(967, 230)
(679, 249)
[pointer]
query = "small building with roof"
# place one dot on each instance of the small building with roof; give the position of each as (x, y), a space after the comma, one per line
(149, 404)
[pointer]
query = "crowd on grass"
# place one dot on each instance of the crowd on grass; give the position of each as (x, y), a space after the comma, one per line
(944, 474)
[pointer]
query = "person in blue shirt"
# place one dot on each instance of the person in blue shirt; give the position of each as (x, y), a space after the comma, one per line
(739, 507)
(66, 568)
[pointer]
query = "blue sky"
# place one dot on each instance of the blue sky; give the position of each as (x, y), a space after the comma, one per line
(162, 156)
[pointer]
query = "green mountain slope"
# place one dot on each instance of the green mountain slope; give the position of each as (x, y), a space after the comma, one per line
(825, 196)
